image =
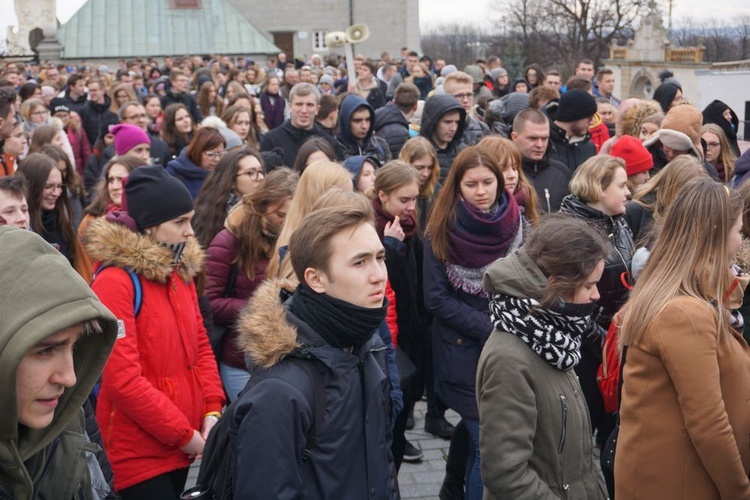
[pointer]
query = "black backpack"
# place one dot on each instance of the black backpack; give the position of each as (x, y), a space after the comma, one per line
(215, 476)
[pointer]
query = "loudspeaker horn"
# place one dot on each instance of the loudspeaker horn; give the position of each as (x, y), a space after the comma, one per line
(357, 33)
(335, 39)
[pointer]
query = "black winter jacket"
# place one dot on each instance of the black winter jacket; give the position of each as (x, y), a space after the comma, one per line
(550, 178)
(434, 109)
(290, 138)
(392, 125)
(187, 99)
(352, 457)
(611, 288)
(371, 145)
(639, 219)
(571, 154)
(474, 131)
(93, 115)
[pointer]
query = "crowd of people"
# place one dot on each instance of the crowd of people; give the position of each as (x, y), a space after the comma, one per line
(301, 258)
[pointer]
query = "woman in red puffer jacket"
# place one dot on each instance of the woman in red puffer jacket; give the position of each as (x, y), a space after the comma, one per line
(160, 393)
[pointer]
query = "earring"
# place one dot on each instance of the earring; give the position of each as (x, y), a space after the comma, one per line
(148, 231)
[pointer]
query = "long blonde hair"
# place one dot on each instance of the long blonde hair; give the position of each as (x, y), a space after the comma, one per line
(667, 183)
(727, 156)
(689, 258)
(317, 178)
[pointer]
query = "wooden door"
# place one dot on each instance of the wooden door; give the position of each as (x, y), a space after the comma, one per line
(285, 41)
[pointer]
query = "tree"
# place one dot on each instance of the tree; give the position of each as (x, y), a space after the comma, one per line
(459, 44)
(568, 30)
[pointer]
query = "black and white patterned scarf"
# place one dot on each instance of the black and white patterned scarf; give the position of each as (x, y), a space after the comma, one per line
(554, 337)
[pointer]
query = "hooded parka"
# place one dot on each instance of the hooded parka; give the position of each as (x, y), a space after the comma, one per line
(434, 109)
(42, 295)
(161, 379)
(371, 145)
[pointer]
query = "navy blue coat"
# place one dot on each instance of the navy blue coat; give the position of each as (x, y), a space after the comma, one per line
(188, 172)
(352, 456)
(460, 327)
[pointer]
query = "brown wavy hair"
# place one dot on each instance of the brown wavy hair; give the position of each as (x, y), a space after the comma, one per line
(256, 238)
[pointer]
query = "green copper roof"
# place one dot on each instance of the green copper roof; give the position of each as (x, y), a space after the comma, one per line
(133, 28)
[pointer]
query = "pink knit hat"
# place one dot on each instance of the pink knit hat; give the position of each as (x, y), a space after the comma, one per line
(127, 137)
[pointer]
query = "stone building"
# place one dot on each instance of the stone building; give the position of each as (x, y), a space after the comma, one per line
(638, 64)
(299, 26)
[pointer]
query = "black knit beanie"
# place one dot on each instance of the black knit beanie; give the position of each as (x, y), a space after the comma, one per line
(575, 105)
(152, 196)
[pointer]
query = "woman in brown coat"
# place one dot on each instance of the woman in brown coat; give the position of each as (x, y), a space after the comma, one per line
(685, 410)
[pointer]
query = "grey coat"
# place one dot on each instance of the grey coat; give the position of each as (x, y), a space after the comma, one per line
(535, 435)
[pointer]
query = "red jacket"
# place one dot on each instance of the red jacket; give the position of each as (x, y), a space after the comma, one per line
(161, 378)
(599, 132)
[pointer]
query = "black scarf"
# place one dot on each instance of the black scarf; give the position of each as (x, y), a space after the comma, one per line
(340, 323)
(554, 335)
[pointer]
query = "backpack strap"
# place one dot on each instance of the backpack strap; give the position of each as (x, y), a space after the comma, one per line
(137, 287)
(319, 403)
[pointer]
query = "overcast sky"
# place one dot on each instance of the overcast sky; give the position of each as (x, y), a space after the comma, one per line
(437, 11)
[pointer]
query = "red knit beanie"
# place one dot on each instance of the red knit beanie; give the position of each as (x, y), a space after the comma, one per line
(636, 156)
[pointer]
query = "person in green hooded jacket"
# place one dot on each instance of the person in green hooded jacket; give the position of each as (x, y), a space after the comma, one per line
(55, 337)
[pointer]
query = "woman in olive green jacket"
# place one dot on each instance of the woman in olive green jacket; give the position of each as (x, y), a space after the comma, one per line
(535, 435)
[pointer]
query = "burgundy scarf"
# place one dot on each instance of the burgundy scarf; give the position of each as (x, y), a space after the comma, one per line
(477, 238)
(408, 224)
(521, 196)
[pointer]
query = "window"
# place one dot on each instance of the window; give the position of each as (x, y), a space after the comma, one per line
(319, 40)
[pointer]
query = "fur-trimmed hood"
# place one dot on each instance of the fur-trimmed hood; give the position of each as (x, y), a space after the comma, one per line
(113, 244)
(265, 334)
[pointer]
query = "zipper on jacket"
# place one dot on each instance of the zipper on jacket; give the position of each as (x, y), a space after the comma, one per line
(47, 465)
(564, 432)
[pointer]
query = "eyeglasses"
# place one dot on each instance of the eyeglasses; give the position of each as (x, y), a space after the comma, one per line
(463, 97)
(214, 154)
(53, 187)
(141, 116)
(713, 145)
(253, 174)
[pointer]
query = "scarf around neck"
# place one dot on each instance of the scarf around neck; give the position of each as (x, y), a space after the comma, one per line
(478, 238)
(176, 250)
(342, 324)
(408, 224)
(553, 336)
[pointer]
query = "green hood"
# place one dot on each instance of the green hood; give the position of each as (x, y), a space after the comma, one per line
(41, 295)
(515, 275)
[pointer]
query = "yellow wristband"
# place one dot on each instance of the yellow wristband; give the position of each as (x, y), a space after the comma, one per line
(216, 414)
